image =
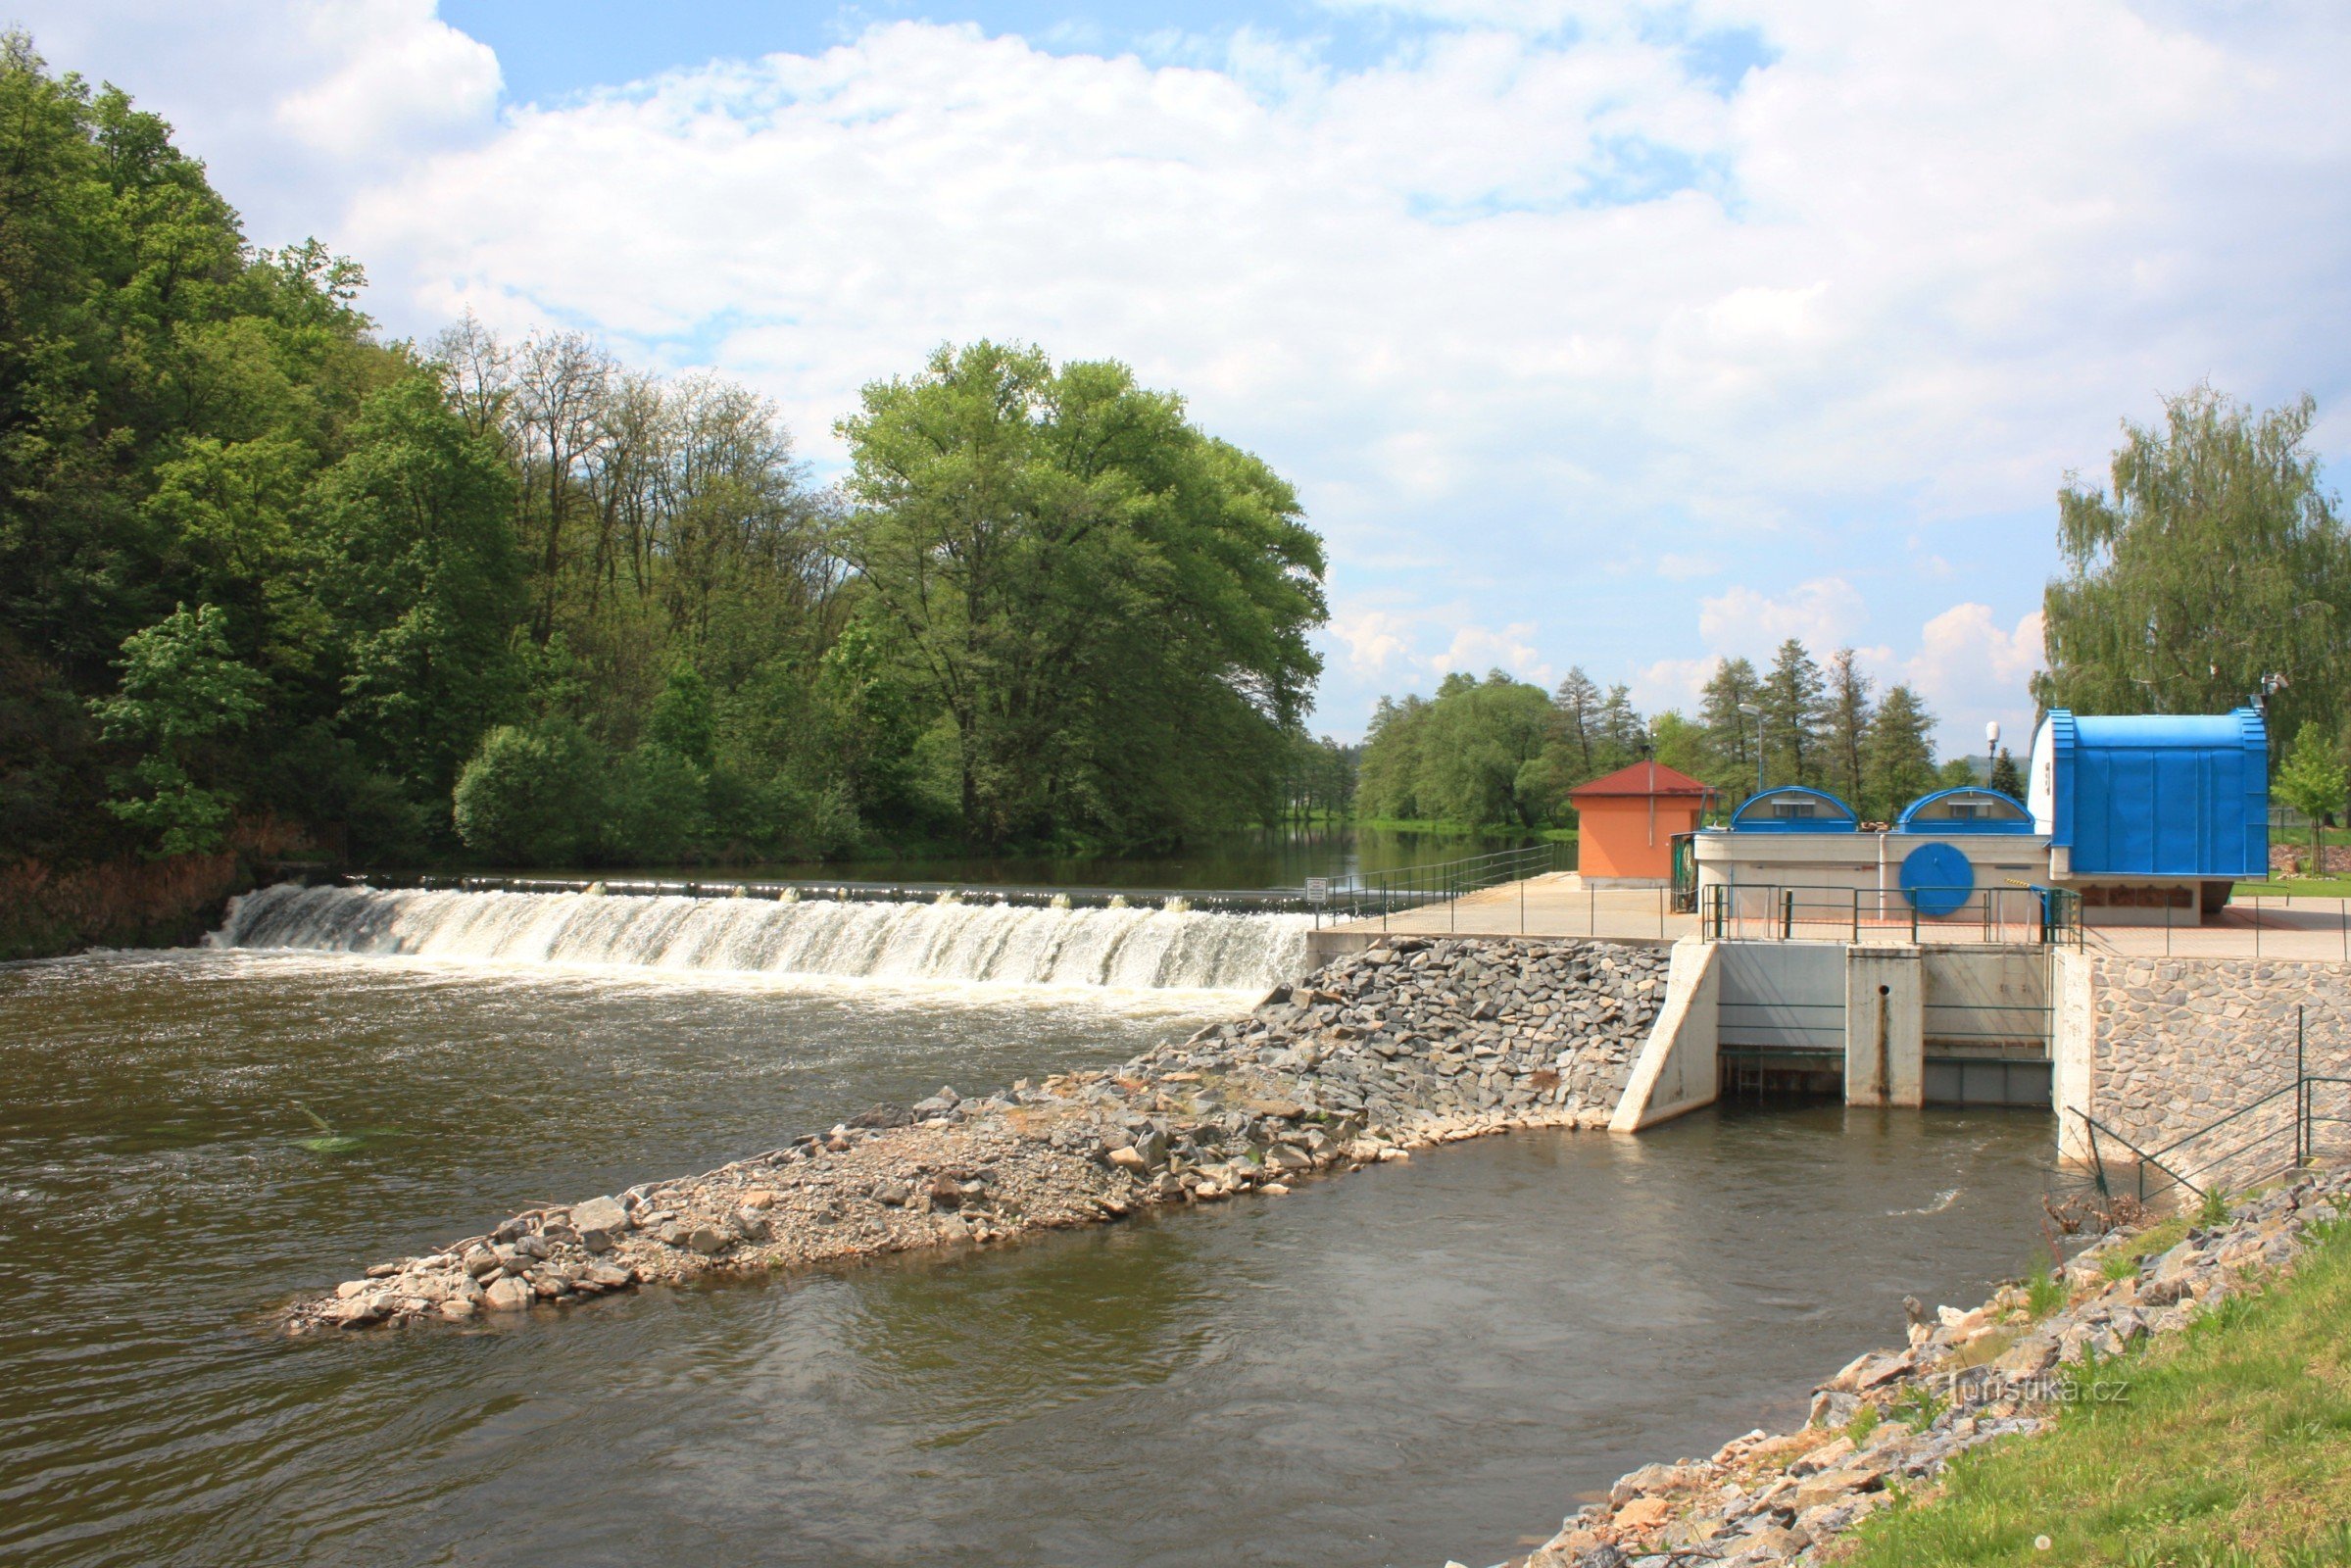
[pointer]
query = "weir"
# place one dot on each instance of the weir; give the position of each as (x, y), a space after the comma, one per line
(1135, 949)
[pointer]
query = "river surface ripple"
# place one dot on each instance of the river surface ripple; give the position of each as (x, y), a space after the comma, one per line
(1418, 1361)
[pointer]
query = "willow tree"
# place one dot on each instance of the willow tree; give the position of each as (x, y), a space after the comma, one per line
(1107, 607)
(2214, 568)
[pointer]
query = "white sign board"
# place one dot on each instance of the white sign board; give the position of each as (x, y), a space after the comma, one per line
(1318, 890)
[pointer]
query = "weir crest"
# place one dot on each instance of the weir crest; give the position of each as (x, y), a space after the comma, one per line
(1132, 949)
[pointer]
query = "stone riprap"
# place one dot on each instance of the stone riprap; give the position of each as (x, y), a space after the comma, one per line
(1413, 1042)
(2180, 1043)
(1964, 1380)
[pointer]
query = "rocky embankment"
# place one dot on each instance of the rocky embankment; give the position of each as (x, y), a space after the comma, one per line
(1894, 1418)
(1414, 1042)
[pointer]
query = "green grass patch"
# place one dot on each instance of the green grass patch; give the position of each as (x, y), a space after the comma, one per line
(2228, 1443)
(2275, 890)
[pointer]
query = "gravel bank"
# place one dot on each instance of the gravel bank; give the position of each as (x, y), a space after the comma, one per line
(1412, 1043)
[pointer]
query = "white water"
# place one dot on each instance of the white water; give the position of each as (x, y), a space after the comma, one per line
(1133, 949)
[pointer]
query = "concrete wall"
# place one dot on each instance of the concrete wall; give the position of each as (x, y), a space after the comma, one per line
(1782, 995)
(2157, 1050)
(1679, 1069)
(1884, 1051)
(1985, 998)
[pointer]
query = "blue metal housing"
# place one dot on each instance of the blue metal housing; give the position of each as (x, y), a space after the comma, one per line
(1793, 808)
(1969, 808)
(2160, 794)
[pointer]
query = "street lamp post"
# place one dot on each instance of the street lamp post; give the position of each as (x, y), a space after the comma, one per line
(1756, 713)
(1991, 750)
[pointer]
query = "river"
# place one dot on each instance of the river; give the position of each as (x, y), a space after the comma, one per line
(1421, 1360)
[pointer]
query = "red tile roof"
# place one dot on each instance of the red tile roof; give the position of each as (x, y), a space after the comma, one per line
(1642, 779)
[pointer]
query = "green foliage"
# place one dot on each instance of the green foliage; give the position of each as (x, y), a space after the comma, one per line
(2005, 775)
(1898, 755)
(512, 599)
(2214, 562)
(182, 693)
(1480, 752)
(1864, 1421)
(532, 796)
(2213, 1208)
(2044, 1293)
(2313, 780)
(1109, 606)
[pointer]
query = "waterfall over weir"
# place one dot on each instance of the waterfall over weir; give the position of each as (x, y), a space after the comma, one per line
(1005, 944)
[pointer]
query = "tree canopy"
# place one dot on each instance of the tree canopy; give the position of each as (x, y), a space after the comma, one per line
(265, 576)
(2214, 569)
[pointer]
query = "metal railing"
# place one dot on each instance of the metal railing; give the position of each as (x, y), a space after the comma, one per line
(1784, 912)
(2265, 1137)
(1376, 894)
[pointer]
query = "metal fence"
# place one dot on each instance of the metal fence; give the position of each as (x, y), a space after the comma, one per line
(1781, 912)
(1376, 894)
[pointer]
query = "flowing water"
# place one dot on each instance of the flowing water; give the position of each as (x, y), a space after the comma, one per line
(1422, 1360)
(1132, 949)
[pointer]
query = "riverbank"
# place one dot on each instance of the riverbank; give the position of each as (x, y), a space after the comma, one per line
(2098, 1358)
(126, 903)
(1408, 1044)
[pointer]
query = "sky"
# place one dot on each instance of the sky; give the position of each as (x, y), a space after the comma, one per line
(1591, 333)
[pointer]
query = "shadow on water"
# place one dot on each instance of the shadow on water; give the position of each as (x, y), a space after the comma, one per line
(1422, 1360)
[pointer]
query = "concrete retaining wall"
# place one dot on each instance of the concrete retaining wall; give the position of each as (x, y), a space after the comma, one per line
(1679, 1069)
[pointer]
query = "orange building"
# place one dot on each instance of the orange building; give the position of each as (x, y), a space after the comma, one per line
(1626, 822)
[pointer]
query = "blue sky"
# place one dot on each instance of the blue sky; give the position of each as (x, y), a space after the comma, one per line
(1591, 331)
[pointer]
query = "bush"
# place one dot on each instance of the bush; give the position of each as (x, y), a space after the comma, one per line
(532, 796)
(658, 806)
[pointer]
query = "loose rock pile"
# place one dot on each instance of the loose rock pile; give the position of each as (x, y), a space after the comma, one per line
(1414, 1042)
(1964, 1380)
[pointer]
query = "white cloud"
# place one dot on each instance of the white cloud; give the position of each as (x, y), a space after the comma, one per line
(1374, 639)
(396, 79)
(1510, 649)
(1970, 669)
(1822, 613)
(1528, 300)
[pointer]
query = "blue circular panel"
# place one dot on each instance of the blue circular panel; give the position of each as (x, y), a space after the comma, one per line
(1936, 879)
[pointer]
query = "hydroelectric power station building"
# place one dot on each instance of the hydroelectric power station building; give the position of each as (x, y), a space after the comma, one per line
(2138, 819)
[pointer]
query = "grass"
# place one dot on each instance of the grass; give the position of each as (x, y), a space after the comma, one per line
(2228, 1443)
(2314, 887)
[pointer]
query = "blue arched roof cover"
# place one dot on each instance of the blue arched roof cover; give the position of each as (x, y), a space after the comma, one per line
(2161, 794)
(1917, 818)
(1793, 808)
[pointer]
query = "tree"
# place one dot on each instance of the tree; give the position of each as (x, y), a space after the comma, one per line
(1898, 757)
(532, 796)
(1577, 708)
(1731, 732)
(423, 581)
(2313, 781)
(1846, 704)
(182, 695)
(1108, 606)
(2216, 564)
(1791, 699)
(2005, 776)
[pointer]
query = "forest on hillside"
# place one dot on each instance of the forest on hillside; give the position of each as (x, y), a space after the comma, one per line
(269, 580)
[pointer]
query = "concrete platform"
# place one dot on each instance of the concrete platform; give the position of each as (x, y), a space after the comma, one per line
(1561, 904)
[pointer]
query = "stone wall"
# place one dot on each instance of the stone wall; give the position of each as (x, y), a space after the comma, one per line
(2173, 1045)
(1452, 1027)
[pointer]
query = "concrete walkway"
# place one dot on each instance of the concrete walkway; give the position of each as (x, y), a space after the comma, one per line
(1556, 903)
(1560, 905)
